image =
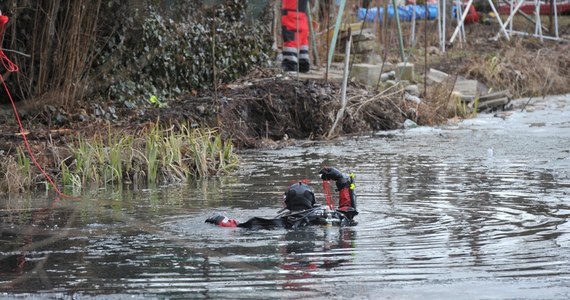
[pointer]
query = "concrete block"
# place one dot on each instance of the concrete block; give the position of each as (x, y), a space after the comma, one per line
(373, 58)
(405, 71)
(366, 74)
(364, 46)
(436, 76)
(367, 34)
(467, 89)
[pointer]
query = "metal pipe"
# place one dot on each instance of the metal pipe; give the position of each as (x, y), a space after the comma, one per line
(335, 33)
(461, 22)
(399, 27)
(312, 36)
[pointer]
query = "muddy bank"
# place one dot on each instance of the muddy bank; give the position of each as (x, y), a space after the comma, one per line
(267, 108)
(265, 105)
(263, 109)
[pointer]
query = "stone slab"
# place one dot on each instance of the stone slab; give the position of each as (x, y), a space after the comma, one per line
(437, 76)
(467, 89)
(405, 71)
(366, 74)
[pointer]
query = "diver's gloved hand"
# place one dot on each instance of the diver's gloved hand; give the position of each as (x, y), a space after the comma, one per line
(330, 173)
(221, 220)
(216, 219)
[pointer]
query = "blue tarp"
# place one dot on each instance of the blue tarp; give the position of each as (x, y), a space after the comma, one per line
(406, 13)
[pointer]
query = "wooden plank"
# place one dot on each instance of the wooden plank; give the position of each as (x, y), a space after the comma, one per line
(437, 75)
(335, 35)
(493, 103)
(467, 89)
(495, 95)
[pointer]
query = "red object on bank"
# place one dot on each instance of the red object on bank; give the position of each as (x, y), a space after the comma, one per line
(562, 8)
(472, 16)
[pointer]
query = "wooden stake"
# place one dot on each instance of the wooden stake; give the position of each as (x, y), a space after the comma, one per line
(340, 113)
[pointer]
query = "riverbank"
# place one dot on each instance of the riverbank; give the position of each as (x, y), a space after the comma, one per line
(468, 211)
(269, 109)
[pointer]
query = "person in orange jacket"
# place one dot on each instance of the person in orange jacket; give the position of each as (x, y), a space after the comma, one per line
(295, 33)
(302, 209)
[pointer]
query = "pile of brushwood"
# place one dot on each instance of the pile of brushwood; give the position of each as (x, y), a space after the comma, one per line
(268, 106)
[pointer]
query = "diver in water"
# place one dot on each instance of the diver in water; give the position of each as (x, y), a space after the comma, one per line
(301, 208)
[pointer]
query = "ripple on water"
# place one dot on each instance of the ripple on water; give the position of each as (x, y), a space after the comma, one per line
(441, 217)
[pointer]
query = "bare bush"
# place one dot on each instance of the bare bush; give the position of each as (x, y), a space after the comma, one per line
(523, 70)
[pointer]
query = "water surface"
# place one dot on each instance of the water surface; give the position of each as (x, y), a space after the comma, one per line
(476, 210)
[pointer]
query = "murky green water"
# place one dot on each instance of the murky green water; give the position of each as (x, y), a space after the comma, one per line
(477, 210)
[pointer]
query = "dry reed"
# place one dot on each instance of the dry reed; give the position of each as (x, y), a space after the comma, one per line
(60, 45)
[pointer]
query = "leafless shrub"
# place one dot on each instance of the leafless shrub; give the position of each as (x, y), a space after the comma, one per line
(59, 40)
(14, 180)
(524, 71)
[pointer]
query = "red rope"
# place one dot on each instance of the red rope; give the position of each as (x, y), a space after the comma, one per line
(12, 67)
(328, 196)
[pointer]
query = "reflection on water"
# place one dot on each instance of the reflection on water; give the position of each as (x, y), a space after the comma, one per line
(440, 219)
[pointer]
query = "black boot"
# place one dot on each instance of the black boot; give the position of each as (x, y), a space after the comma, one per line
(304, 66)
(289, 66)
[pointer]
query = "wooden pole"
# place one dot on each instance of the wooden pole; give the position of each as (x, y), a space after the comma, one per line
(515, 10)
(312, 37)
(340, 113)
(550, 16)
(335, 33)
(461, 21)
(536, 17)
(399, 27)
(511, 16)
(555, 20)
(499, 21)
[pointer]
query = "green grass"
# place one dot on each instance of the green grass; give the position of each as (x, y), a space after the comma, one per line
(156, 156)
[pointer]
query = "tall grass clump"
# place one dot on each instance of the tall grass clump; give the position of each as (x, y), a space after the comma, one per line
(209, 152)
(157, 155)
(522, 69)
(16, 173)
(153, 140)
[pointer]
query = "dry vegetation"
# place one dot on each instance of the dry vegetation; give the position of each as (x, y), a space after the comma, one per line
(524, 67)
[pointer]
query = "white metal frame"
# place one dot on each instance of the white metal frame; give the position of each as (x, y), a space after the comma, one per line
(514, 8)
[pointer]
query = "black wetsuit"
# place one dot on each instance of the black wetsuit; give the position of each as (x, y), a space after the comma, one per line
(293, 220)
(302, 209)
